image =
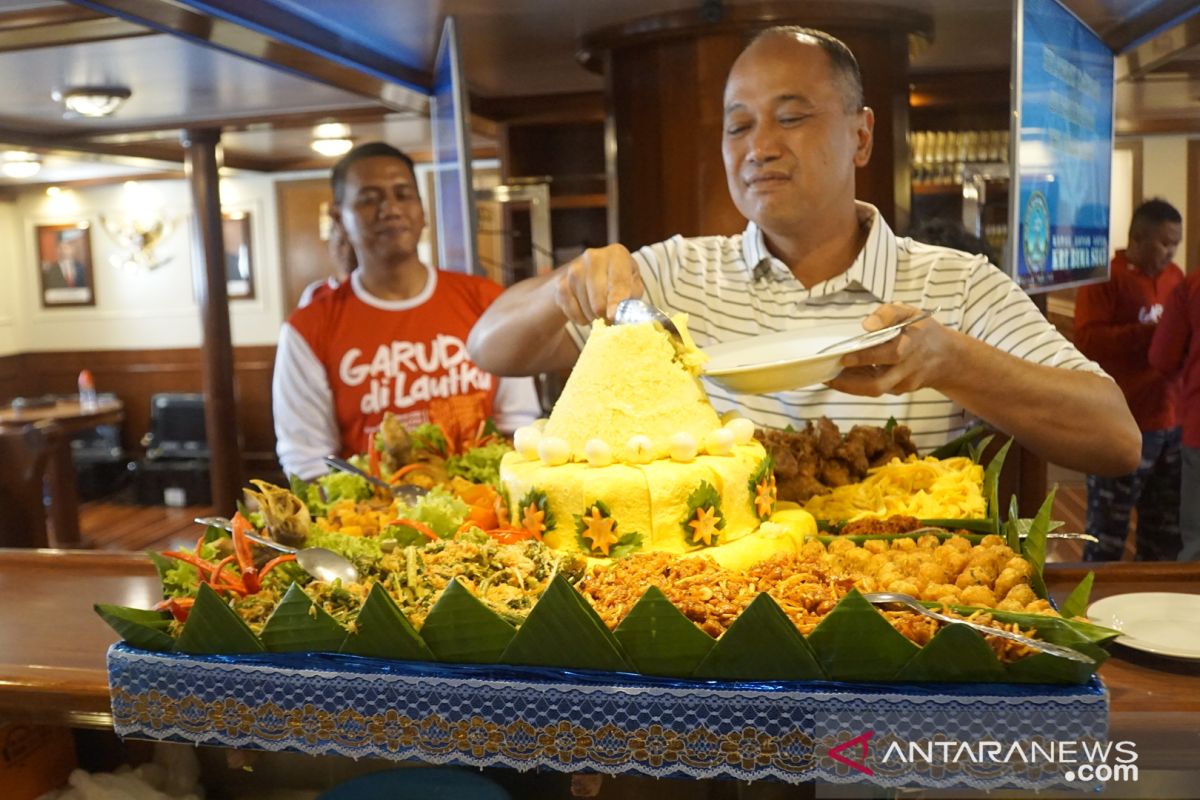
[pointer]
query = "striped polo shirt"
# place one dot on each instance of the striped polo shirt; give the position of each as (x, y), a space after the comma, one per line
(732, 287)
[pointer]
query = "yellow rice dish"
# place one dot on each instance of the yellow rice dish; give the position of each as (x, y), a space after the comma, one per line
(927, 488)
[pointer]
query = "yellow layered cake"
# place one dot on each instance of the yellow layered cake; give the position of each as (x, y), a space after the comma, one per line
(634, 457)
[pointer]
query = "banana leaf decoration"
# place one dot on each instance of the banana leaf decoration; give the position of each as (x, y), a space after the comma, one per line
(854, 641)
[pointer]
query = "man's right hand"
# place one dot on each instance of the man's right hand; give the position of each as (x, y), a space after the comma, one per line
(591, 286)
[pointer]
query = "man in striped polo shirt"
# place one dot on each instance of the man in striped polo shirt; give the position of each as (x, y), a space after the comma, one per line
(795, 131)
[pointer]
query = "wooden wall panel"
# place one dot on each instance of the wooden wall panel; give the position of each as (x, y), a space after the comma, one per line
(303, 256)
(136, 375)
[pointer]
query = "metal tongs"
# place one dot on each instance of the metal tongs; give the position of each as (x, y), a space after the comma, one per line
(889, 598)
(407, 491)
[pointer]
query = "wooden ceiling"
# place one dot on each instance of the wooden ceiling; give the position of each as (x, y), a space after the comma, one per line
(283, 66)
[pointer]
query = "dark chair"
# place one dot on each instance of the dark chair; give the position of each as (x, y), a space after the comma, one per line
(101, 463)
(175, 470)
(177, 428)
(24, 452)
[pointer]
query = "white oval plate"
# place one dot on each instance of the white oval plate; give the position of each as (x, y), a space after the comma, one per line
(785, 360)
(1164, 623)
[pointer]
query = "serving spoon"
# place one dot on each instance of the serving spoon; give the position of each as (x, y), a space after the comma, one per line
(635, 310)
(321, 563)
(409, 492)
(895, 598)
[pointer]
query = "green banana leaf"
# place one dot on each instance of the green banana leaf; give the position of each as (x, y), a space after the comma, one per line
(298, 625)
(1053, 629)
(382, 631)
(215, 629)
(563, 630)
(138, 627)
(1045, 668)
(1076, 603)
(955, 654)
(1011, 530)
(854, 642)
(659, 639)
(975, 529)
(961, 445)
(980, 527)
(761, 644)
(161, 565)
(1033, 546)
(991, 487)
(460, 629)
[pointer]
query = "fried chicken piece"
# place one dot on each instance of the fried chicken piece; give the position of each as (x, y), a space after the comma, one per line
(800, 488)
(855, 454)
(786, 464)
(835, 473)
(899, 446)
(872, 439)
(809, 462)
(827, 437)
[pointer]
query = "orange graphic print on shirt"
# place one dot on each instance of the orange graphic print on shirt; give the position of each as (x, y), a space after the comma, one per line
(380, 359)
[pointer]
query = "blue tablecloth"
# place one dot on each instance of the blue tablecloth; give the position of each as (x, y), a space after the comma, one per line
(933, 735)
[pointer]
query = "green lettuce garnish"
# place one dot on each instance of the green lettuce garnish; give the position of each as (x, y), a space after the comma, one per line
(440, 510)
(329, 489)
(429, 437)
(479, 464)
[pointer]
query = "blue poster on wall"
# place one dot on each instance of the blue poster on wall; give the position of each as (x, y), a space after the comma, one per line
(1064, 102)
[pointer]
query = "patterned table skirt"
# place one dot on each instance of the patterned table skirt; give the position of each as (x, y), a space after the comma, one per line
(899, 735)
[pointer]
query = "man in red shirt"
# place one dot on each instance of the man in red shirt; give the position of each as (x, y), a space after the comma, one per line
(1114, 325)
(391, 338)
(1176, 351)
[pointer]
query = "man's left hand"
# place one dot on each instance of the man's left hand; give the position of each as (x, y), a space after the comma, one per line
(916, 359)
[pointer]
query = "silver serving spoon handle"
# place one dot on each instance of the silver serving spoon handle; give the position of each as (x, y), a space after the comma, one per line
(323, 564)
(888, 598)
(635, 310)
(408, 491)
(866, 338)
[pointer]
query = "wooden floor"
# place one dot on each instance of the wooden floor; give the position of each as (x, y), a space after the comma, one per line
(125, 526)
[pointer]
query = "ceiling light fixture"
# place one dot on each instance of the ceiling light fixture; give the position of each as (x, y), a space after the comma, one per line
(331, 130)
(332, 147)
(332, 139)
(92, 101)
(20, 163)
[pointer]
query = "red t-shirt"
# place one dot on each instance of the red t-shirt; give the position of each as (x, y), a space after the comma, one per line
(1114, 323)
(1176, 352)
(400, 356)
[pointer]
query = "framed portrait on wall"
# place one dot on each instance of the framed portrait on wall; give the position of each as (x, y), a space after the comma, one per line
(65, 265)
(239, 264)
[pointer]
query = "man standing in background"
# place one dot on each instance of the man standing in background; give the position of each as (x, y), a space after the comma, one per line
(1114, 325)
(390, 338)
(1175, 351)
